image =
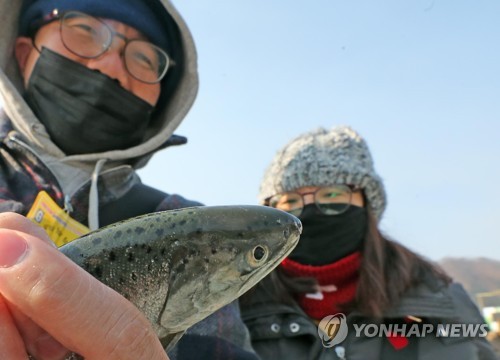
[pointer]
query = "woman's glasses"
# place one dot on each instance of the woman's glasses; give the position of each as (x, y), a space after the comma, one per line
(330, 200)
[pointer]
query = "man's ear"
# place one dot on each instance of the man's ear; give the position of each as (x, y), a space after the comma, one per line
(22, 50)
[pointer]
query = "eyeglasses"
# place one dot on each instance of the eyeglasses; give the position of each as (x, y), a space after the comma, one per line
(89, 38)
(330, 200)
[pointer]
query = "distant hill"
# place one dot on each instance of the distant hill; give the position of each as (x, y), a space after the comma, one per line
(477, 275)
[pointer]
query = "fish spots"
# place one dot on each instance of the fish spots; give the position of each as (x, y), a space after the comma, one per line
(182, 222)
(118, 234)
(97, 272)
(139, 230)
(159, 232)
(75, 252)
(112, 256)
(97, 241)
(133, 276)
(193, 252)
(214, 251)
(129, 231)
(163, 251)
(146, 248)
(180, 268)
(241, 235)
(130, 256)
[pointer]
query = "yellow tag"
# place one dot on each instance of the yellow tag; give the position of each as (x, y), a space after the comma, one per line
(61, 228)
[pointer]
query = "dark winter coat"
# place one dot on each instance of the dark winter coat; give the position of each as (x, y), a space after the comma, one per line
(281, 331)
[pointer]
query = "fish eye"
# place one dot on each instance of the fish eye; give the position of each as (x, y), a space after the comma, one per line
(259, 253)
(257, 256)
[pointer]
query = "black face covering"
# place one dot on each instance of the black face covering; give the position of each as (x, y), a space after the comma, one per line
(83, 110)
(328, 238)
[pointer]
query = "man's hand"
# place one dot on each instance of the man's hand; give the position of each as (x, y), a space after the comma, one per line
(50, 307)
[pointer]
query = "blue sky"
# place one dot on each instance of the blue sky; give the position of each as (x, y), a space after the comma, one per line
(420, 80)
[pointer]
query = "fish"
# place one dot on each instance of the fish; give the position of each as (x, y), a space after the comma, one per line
(179, 266)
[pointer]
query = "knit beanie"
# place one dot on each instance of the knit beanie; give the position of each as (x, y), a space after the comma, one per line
(148, 16)
(339, 156)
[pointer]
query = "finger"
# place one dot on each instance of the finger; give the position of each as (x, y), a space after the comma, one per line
(76, 309)
(18, 222)
(11, 344)
(38, 342)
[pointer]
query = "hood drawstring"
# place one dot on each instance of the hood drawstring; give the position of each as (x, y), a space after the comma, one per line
(93, 215)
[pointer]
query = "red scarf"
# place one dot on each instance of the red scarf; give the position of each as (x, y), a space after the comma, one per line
(338, 283)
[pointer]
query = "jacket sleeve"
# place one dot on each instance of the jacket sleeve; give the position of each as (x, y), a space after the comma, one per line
(222, 335)
(471, 315)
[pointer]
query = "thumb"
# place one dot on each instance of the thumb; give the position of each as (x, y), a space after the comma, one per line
(76, 309)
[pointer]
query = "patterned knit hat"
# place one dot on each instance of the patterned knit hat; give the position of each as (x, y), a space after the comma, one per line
(322, 158)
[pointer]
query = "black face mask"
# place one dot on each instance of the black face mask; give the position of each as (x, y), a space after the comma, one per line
(328, 238)
(83, 110)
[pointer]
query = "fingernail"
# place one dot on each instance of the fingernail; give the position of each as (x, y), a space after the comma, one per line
(13, 249)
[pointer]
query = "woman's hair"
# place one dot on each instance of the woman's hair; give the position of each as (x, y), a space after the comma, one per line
(387, 270)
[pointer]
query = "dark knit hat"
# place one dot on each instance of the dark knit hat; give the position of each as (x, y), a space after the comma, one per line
(322, 158)
(148, 16)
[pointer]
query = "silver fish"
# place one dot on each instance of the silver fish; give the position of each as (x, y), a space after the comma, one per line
(180, 266)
